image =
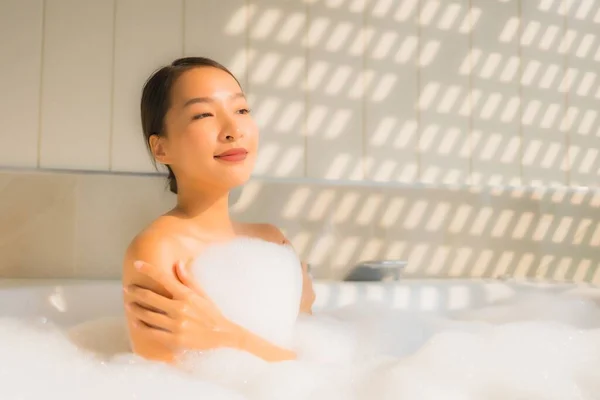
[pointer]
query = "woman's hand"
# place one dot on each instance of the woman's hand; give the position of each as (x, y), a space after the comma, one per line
(188, 320)
(308, 293)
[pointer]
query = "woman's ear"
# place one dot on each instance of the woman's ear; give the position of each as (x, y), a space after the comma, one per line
(157, 145)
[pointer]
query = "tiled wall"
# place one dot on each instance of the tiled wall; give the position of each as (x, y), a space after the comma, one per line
(78, 225)
(360, 102)
(453, 91)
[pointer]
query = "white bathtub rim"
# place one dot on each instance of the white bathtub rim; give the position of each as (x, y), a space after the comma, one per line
(51, 298)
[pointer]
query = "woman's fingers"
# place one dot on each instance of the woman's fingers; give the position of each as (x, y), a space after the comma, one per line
(152, 319)
(180, 310)
(166, 337)
(185, 276)
(148, 299)
(188, 302)
(164, 278)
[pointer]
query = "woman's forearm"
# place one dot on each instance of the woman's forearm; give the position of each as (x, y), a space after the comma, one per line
(262, 348)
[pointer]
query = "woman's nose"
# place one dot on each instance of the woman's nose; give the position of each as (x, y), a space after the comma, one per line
(232, 133)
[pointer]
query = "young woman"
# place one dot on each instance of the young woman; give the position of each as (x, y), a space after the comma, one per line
(196, 121)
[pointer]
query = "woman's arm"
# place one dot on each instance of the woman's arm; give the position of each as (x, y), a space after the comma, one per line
(155, 249)
(168, 316)
(190, 321)
(308, 293)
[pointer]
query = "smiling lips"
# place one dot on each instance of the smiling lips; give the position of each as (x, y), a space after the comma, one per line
(232, 155)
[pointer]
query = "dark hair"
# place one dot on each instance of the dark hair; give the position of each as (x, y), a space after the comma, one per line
(156, 100)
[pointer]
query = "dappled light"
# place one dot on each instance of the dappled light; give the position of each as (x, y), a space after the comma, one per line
(471, 106)
(533, 233)
(486, 93)
(462, 136)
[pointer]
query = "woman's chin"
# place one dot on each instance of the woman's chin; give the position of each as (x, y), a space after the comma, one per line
(234, 180)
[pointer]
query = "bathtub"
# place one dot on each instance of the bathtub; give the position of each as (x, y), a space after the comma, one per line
(455, 365)
(69, 302)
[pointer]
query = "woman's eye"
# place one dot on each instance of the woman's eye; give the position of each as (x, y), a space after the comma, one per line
(244, 111)
(201, 116)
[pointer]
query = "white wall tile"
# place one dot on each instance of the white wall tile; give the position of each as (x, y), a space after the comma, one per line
(332, 84)
(335, 87)
(543, 97)
(77, 84)
(218, 29)
(444, 147)
(583, 75)
(148, 35)
(111, 210)
(37, 225)
(495, 135)
(20, 69)
(391, 90)
(276, 80)
(51, 225)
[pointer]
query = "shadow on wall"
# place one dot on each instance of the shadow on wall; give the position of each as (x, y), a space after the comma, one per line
(460, 92)
(78, 225)
(441, 232)
(480, 92)
(500, 93)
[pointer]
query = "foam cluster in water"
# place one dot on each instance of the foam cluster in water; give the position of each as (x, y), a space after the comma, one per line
(470, 356)
(536, 346)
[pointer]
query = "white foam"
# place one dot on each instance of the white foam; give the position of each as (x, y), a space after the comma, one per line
(39, 361)
(467, 360)
(536, 346)
(254, 283)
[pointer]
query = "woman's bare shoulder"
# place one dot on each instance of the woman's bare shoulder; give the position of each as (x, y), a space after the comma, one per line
(155, 244)
(263, 231)
(158, 234)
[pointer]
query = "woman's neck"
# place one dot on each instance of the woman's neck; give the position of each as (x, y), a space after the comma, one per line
(210, 210)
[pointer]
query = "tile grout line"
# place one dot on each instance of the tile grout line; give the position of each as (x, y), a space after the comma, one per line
(418, 116)
(520, 92)
(111, 127)
(247, 44)
(303, 181)
(183, 4)
(364, 141)
(41, 83)
(470, 122)
(75, 225)
(305, 89)
(567, 141)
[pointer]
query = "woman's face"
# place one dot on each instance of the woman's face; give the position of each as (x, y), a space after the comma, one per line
(211, 139)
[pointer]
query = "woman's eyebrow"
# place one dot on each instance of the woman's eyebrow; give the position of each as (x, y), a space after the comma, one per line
(195, 100)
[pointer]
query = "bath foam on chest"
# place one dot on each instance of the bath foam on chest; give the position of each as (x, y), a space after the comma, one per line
(255, 283)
